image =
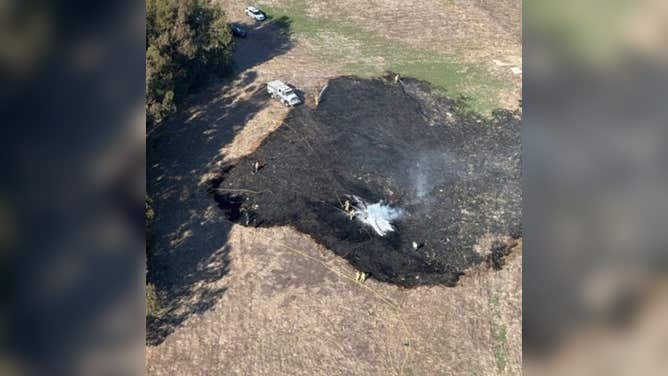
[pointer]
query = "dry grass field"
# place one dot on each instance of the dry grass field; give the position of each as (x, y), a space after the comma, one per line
(247, 301)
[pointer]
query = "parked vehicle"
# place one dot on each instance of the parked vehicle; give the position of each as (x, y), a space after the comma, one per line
(287, 96)
(238, 31)
(255, 14)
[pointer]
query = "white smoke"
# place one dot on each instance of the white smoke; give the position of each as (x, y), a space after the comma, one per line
(378, 216)
(429, 169)
(421, 182)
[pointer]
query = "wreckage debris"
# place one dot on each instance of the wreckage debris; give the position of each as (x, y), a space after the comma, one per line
(378, 216)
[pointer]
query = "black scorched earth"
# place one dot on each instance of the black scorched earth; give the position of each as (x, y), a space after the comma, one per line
(398, 181)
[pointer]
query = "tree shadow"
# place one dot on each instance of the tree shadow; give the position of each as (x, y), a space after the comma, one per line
(283, 22)
(185, 287)
(188, 255)
(263, 42)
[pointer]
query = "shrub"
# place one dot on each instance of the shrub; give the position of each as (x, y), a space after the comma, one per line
(153, 306)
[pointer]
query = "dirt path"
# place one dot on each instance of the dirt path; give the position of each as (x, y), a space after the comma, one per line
(247, 301)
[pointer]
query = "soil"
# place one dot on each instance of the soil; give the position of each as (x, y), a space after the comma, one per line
(454, 175)
(271, 301)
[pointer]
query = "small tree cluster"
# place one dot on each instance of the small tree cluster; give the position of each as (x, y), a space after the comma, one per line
(186, 42)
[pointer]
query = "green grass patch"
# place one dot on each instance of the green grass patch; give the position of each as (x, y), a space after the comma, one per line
(153, 306)
(367, 54)
(501, 358)
(500, 335)
(500, 349)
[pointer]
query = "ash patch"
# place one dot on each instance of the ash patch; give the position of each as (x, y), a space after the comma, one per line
(451, 177)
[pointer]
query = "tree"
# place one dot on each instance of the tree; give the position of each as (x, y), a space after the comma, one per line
(187, 41)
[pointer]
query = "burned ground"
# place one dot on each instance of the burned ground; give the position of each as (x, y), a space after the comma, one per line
(283, 304)
(454, 175)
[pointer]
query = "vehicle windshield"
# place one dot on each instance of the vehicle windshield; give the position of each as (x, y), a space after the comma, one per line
(255, 11)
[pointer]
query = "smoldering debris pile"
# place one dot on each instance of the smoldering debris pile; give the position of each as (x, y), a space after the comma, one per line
(403, 184)
(378, 216)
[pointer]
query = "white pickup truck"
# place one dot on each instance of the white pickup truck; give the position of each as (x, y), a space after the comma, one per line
(255, 14)
(278, 89)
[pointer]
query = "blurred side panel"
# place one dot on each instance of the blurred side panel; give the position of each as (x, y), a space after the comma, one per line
(596, 203)
(72, 187)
